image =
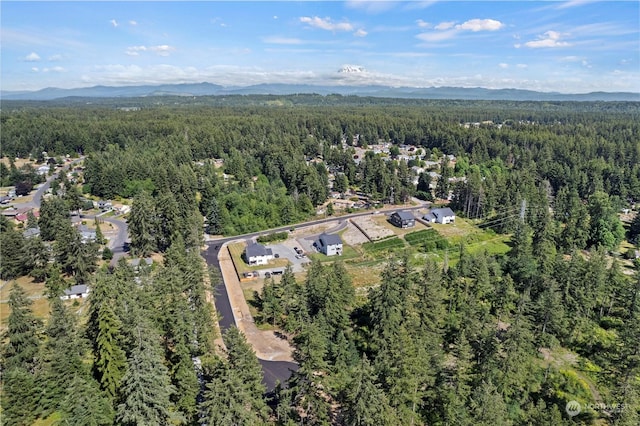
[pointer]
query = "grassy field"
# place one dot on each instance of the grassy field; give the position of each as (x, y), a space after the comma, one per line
(348, 253)
(400, 232)
(35, 291)
(236, 251)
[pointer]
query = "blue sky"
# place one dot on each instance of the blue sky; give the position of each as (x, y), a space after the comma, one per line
(565, 46)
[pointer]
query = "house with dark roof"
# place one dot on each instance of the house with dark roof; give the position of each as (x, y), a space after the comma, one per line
(79, 291)
(330, 244)
(257, 254)
(444, 215)
(403, 219)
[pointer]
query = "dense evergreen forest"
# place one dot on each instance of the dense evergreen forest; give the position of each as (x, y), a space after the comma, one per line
(500, 340)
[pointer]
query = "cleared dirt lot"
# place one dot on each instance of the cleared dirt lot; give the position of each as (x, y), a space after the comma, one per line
(353, 236)
(374, 226)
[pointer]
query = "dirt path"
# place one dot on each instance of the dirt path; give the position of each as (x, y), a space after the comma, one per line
(266, 345)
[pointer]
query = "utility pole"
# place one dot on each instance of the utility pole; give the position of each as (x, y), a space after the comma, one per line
(523, 210)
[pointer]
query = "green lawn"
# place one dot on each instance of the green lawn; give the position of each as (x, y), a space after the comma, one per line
(348, 253)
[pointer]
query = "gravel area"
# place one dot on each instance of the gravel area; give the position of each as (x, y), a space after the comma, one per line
(374, 230)
(353, 237)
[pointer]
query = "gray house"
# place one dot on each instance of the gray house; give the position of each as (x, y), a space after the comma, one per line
(444, 215)
(75, 292)
(330, 244)
(403, 219)
(257, 254)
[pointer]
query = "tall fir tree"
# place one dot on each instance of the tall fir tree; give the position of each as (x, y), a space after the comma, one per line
(142, 225)
(146, 387)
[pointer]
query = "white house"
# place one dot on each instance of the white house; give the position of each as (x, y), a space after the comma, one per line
(79, 291)
(444, 215)
(257, 254)
(330, 244)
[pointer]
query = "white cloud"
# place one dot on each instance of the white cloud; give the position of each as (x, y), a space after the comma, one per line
(32, 57)
(522, 66)
(550, 39)
(445, 25)
(423, 24)
(437, 36)
(448, 29)
(476, 25)
(503, 65)
(34, 69)
(113, 23)
(53, 69)
(135, 50)
(55, 58)
(571, 59)
(282, 40)
(133, 23)
(162, 50)
(360, 33)
(326, 24)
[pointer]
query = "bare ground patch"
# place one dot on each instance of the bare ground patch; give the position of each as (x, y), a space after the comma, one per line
(371, 225)
(352, 236)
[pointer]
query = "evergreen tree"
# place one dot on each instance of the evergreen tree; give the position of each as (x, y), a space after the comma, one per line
(634, 230)
(443, 185)
(606, 228)
(110, 360)
(99, 235)
(20, 361)
(235, 393)
(85, 405)
(14, 254)
(64, 352)
(365, 403)
(146, 387)
(54, 215)
(488, 407)
(142, 225)
(23, 345)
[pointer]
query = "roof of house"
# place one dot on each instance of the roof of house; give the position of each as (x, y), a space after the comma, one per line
(331, 239)
(136, 261)
(77, 289)
(31, 232)
(445, 211)
(255, 250)
(404, 215)
(429, 217)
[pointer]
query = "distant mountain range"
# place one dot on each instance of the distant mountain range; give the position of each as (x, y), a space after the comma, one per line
(209, 89)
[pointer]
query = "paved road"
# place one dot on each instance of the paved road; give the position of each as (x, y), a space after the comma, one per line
(220, 241)
(119, 244)
(273, 371)
(40, 191)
